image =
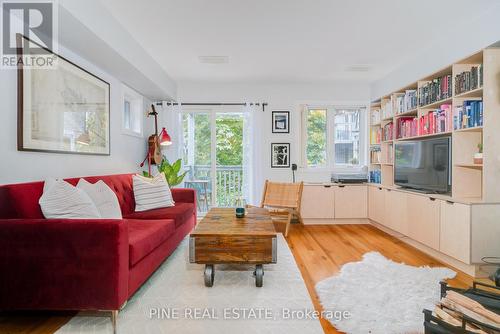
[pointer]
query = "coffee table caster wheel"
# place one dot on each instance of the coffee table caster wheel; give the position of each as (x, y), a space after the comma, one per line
(259, 275)
(209, 275)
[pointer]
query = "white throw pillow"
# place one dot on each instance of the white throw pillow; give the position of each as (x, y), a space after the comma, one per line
(151, 193)
(62, 200)
(103, 197)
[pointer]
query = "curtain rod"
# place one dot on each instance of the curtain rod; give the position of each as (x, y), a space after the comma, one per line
(263, 104)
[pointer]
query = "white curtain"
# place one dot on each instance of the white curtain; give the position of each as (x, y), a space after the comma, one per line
(248, 152)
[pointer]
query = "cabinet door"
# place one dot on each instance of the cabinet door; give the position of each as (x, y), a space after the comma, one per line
(351, 202)
(396, 214)
(424, 220)
(376, 206)
(455, 230)
(318, 202)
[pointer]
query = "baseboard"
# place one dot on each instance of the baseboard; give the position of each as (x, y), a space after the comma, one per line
(321, 221)
(470, 269)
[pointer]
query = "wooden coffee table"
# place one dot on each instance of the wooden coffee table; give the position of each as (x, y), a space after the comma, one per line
(221, 238)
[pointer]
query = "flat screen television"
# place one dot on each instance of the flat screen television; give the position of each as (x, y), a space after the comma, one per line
(424, 165)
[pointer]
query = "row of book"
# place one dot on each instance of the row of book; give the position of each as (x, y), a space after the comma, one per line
(469, 80)
(376, 176)
(375, 155)
(435, 90)
(388, 132)
(387, 111)
(468, 115)
(375, 136)
(406, 101)
(435, 121)
(375, 116)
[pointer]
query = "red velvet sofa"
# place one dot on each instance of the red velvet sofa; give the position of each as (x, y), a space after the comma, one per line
(83, 264)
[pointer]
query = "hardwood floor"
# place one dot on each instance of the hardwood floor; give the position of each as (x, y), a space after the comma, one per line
(319, 251)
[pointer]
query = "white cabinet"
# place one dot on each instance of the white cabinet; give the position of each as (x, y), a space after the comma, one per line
(351, 202)
(396, 214)
(376, 204)
(455, 230)
(318, 202)
(424, 219)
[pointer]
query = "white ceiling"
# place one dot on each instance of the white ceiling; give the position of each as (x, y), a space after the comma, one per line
(289, 40)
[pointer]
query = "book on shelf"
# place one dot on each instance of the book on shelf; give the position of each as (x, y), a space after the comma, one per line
(468, 115)
(386, 109)
(389, 157)
(403, 102)
(375, 116)
(375, 155)
(375, 176)
(407, 127)
(388, 131)
(436, 121)
(375, 136)
(469, 80)
(435, 90)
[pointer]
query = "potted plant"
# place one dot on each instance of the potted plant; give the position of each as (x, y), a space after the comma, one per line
(478, 157)
(171, 171)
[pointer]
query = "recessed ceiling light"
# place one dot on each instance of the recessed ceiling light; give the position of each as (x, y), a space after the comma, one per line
(359, 68)
(214, 59)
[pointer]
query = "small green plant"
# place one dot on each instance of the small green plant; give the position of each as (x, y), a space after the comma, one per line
(480, 147)
(171, 171)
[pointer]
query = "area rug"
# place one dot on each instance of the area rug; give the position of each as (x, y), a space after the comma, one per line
(380, 296)
(175, 300)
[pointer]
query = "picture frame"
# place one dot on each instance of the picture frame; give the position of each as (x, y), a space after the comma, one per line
(65, 109)
(280, 121)
(280, 155)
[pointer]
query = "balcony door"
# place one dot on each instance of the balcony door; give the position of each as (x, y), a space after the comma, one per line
(214, 154)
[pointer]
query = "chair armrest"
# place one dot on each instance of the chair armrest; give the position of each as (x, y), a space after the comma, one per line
(63, 264)
(184, 195)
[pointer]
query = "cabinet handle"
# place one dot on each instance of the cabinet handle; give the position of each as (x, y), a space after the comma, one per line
(432, 198)
(389, 190)
(341, 186)
(379, 188)
(450, 202)
(326, 186)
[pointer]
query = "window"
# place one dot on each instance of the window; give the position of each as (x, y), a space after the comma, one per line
(132, 115)
(333, 137)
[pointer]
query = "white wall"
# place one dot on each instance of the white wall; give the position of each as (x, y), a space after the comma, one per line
(16, 166)
(280, 97)
(458, 41)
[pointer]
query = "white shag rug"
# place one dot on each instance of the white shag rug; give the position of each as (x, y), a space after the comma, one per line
(177, 286)
(381, 296)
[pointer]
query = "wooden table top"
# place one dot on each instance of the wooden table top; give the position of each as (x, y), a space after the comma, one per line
(223, 221)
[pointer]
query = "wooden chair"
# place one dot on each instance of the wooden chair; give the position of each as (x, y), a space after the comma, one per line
(283, 201)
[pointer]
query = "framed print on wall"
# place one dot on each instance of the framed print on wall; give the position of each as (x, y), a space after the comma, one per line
(65, 109)
(281, 121)
(280, 155)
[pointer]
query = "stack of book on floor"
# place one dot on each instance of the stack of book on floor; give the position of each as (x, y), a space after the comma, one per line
(435, 90)
(469, 80)
(468, 115)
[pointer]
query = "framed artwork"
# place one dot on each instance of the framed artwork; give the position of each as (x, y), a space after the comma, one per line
(280, 155)
(64, 109)
(281, 121)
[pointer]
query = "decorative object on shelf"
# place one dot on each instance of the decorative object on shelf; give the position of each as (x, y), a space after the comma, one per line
(171, 172)
(280, 155)
(281, 121)
(478, 157)
(61, 110)
(155, 142)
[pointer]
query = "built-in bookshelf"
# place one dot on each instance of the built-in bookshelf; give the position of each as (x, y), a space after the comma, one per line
(461, 100)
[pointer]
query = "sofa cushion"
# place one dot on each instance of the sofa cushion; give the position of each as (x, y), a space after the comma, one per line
(181, 213)
(146, 235)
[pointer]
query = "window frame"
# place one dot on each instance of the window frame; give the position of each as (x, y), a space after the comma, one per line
(331, 110)
(136, 112)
